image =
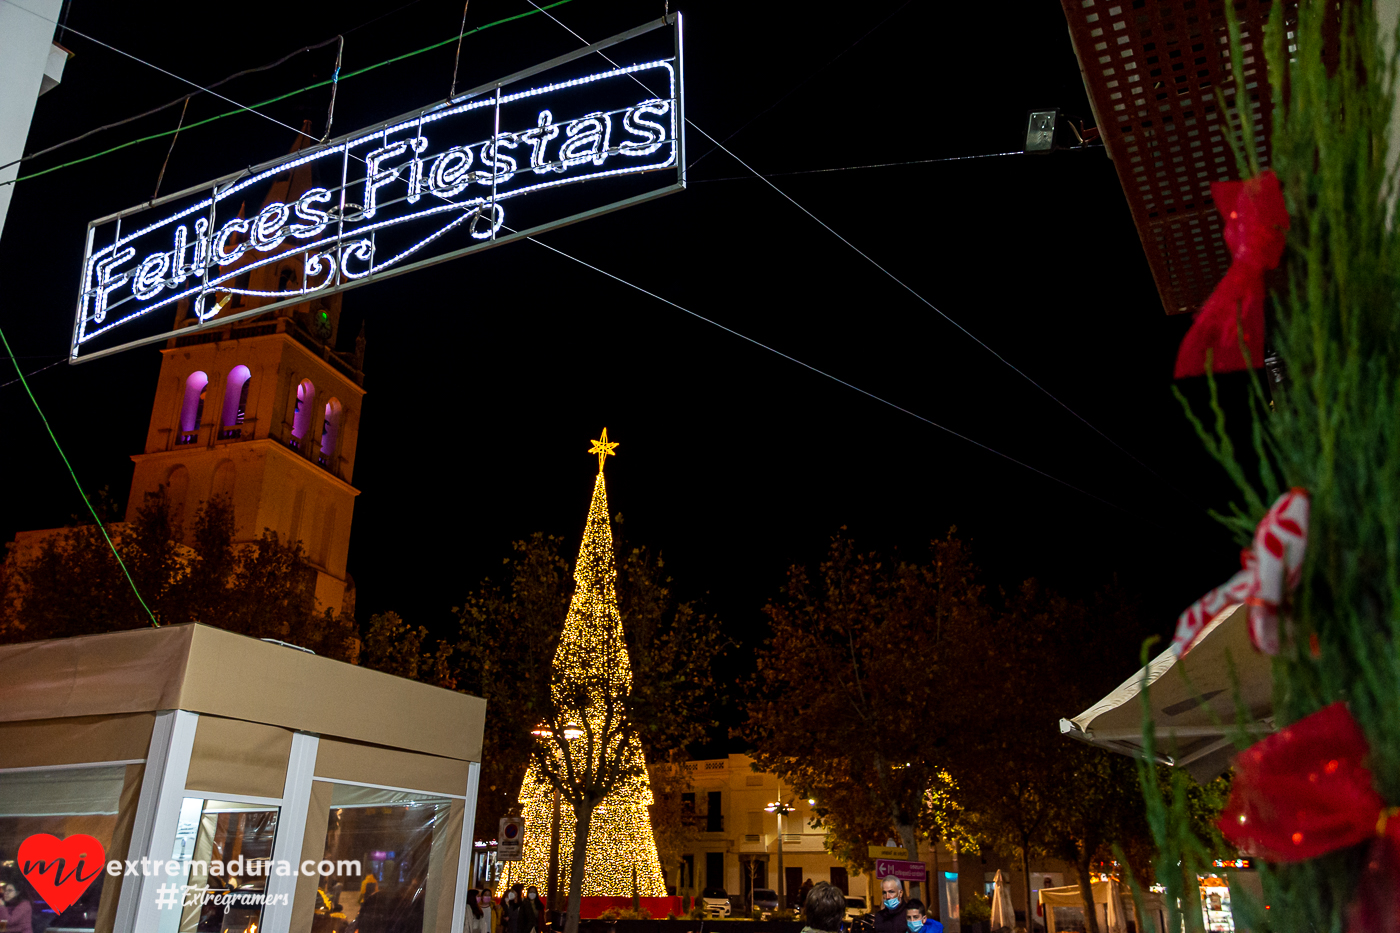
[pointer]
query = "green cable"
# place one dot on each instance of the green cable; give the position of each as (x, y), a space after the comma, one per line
(101, 527)
(273, 100)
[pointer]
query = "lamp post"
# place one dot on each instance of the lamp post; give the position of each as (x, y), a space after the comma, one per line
(782, 810)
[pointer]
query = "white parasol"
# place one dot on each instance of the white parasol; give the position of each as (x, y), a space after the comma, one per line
(1003, 914)
(1117, 923)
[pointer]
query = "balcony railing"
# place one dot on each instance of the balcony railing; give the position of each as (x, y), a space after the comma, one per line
(186, 437)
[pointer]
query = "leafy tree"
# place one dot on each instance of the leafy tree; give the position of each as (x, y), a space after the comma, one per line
(509, 630)
(72, 585)
(843, 705)
(393, 646)
(1104, 807)
(1028, 790)
(674, 825)
(673, 646)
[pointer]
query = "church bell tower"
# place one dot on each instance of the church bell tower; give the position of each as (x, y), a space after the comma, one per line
(264, 411)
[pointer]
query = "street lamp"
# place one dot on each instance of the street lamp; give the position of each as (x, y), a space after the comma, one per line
(782, 810)
(571, 731)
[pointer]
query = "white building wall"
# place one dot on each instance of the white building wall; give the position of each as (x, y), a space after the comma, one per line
(26, 41)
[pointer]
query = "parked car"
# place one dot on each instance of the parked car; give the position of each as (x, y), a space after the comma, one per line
(855, 907)
(765, 899)
(715, 901)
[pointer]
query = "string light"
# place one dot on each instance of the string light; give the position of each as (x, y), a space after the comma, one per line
(360, 249)
(316, 220)
(592, 661)
(585, 147)
(538, 138)
(268, 231)
(588, 141)
(653, 134)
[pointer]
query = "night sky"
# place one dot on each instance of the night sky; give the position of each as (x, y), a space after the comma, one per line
(486, 377)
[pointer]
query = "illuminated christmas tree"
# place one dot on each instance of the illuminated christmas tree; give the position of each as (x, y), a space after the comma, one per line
(586, 748)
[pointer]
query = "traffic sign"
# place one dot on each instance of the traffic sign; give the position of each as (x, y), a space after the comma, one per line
(510, 841)
(903, 870)
(894, 852)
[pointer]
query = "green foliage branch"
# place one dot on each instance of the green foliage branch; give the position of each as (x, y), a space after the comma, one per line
(1333, 424)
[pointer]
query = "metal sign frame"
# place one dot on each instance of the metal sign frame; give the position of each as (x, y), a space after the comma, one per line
(91, 304)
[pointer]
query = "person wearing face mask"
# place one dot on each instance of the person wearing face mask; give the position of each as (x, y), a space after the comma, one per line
(487, 902)
(890, 917)
(510, 910)
(917, 920)
(530, 913)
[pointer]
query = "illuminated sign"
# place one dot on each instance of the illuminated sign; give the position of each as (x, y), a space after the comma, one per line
(452, 178)
(1245, 864)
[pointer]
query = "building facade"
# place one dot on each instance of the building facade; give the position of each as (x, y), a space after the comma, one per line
(734, 842)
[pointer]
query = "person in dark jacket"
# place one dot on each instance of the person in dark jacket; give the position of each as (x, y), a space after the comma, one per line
(511, 906)
(890, 917)
(531, 911)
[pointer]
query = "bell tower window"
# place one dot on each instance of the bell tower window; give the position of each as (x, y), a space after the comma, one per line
(192, 408)
(235, 402)
(330, 430)
(301, 415)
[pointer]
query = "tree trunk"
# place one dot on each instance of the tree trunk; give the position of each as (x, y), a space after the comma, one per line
(1086, 891)
(1025, 873)
(911, 846)
(911, 842)
(935, 904)
(585, 821)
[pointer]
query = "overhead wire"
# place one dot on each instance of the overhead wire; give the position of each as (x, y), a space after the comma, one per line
(171, 151)
(169, 73)
(719, 145)
(854, 168)
(154, 110)
(86, 501)
(834, 378)
(716, 144)
(237, 74)
(939, 311)
(457, 59)
(34, 372)
(272, 100)
(335, 86)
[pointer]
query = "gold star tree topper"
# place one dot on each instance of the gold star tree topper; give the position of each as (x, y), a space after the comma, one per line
(603, 449)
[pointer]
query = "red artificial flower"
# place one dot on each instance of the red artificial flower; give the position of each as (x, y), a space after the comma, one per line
(1256, 221)
(1303, 791)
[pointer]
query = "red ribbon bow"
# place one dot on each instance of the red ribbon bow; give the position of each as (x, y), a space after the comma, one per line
(1255, 223)
(1305, 791)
